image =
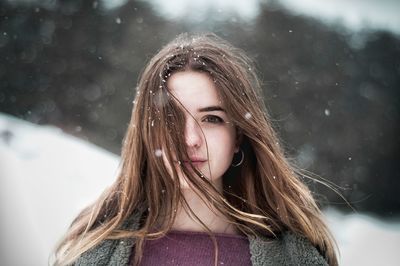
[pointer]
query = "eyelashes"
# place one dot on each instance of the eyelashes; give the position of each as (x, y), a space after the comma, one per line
(213, 119)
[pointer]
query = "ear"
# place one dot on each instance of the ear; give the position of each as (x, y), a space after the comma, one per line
(239, 138)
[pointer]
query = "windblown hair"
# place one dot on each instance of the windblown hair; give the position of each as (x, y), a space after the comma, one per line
(264, 196)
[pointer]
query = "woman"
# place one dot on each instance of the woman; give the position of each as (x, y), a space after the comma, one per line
(203, 179)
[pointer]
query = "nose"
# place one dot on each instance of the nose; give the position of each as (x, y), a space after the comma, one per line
(193, 134)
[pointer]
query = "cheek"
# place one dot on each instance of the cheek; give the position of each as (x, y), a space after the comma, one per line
(222, 148)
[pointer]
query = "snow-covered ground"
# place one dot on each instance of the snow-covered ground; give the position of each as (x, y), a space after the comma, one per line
(46, 177)
(364, 240)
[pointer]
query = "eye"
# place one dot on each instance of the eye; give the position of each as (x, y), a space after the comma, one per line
(213, 119)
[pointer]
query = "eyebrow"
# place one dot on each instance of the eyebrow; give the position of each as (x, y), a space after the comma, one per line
(211, 108)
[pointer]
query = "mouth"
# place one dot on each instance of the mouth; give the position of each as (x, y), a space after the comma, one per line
(194, 161)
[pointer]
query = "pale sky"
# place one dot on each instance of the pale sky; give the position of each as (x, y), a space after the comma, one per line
(355, 15)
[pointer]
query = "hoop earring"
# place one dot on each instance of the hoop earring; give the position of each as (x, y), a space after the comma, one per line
(241, 160)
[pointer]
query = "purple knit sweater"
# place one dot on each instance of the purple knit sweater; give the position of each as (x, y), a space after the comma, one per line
(195, 248)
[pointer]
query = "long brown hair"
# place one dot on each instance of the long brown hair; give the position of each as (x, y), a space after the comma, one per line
(264, 196)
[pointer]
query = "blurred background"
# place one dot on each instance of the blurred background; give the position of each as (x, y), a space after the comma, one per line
(330, 72)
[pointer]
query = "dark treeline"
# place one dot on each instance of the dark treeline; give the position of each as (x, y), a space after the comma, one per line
(333, 95)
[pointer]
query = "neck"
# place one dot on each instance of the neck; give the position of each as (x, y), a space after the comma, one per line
(214, 220)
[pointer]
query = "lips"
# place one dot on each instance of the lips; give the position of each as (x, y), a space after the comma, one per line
(196, 161)
(195, 164)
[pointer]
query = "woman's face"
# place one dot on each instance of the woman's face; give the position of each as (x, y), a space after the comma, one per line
(207, 122)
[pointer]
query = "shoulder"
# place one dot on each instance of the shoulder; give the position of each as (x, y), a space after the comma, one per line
(98, 255)
(301, 250)
(111, 252)
(287, 249)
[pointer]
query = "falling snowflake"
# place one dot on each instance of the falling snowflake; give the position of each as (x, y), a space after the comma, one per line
(158, 152)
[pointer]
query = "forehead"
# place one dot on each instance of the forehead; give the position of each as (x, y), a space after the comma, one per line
(194, 89)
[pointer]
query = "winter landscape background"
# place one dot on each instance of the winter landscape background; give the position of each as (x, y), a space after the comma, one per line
(47, 177)
(331, 76)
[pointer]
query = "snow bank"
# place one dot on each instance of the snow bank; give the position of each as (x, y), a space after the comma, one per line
(46, 177)
(364, 240)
